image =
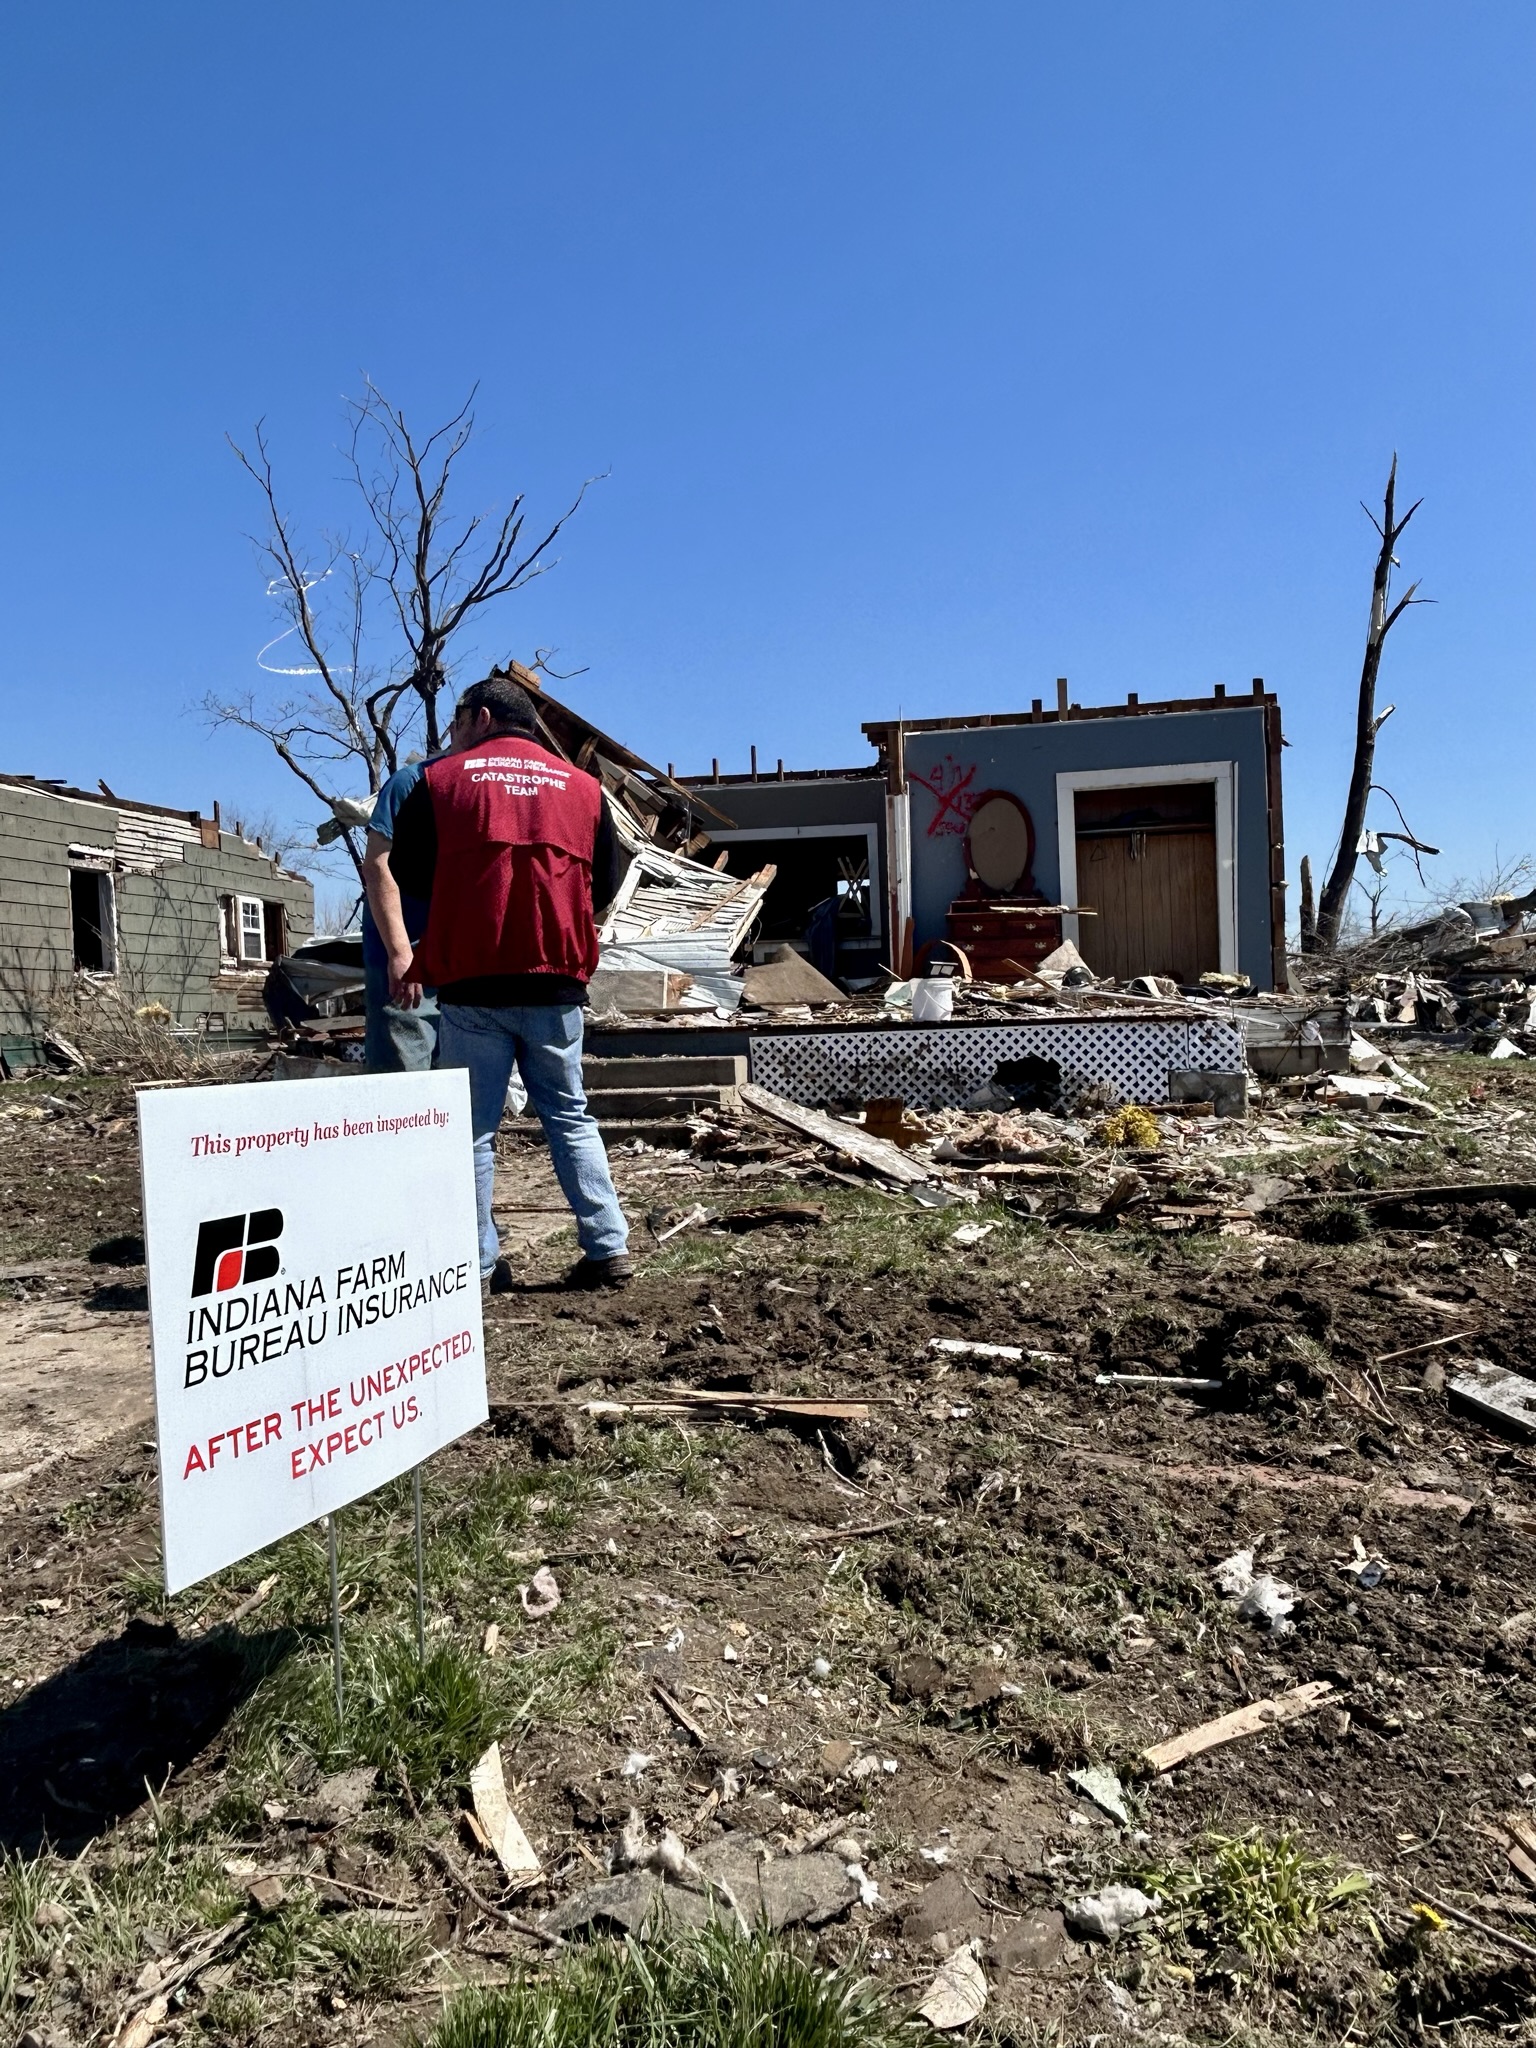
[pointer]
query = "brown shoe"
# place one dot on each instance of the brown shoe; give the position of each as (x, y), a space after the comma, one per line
(590, 1273)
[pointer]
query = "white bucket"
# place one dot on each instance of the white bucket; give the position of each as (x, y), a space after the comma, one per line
(933, 1002)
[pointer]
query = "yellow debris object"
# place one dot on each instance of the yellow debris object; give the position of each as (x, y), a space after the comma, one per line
(1132, 1126)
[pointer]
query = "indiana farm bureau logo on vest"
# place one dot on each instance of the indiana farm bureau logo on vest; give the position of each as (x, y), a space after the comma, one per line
(235, 1251)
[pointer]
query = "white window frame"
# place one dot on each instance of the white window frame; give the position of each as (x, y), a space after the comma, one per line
(1222, 774)
(870, 834)
(95, 860)
(258, 904)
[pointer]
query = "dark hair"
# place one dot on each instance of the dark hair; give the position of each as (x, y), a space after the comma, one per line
(509, 704)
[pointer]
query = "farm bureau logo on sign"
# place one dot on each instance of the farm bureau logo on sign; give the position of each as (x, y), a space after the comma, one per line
(232, 1251)
(314, 1298)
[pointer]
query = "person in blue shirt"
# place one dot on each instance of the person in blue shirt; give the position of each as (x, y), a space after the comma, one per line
(398, 1041)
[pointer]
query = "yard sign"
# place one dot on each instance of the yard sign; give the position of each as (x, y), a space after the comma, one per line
(314, 1291)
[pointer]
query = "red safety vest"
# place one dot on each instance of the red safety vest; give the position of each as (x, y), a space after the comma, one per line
(512, 892)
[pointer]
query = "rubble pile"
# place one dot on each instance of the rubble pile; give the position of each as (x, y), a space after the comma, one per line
(1470, 971)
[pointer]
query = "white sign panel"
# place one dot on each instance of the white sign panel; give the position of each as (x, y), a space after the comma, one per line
(314, 1298)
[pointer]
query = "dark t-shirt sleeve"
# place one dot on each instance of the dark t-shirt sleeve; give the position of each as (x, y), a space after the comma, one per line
(610, 864)
(413, 850)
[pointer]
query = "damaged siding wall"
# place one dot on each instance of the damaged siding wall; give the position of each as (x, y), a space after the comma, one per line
(944, 767)
(165, 890)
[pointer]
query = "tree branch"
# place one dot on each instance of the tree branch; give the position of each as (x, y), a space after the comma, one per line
(396, 604)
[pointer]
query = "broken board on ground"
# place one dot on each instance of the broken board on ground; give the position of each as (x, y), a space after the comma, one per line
(1504, 1400)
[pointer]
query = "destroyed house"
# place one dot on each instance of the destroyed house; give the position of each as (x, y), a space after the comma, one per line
(1150, 835)
(823, 833)
(101, 895)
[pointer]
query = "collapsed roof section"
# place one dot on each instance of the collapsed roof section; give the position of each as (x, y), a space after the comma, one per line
(675, 913)
(671, 913)
(146, 836)
(667, 813)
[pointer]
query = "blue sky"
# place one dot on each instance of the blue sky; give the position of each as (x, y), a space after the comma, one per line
(932, 352)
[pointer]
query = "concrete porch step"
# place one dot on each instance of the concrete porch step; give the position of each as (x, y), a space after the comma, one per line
(678, 1071)
(609, 1105)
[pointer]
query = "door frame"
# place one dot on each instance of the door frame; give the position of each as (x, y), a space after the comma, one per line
(859, 829)
(1223, 774)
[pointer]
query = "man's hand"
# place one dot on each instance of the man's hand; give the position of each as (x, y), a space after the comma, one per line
(404, 993)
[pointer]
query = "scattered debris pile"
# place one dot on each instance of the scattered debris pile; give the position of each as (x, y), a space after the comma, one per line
(671, 935)
(1470, 971)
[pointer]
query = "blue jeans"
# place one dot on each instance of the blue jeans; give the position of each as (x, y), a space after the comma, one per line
(396, 1041)
(545, 1041)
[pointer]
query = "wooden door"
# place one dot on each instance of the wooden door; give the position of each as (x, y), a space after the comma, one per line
(1154, 886)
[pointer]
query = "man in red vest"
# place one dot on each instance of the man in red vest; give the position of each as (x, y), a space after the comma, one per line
(515, 852)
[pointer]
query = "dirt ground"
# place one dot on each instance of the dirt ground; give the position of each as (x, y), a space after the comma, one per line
(908, 1630)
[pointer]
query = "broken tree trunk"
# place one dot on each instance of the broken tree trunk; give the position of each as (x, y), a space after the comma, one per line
(1308, 907)
(1330, 909)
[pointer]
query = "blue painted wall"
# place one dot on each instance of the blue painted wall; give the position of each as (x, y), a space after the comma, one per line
(1026, 759)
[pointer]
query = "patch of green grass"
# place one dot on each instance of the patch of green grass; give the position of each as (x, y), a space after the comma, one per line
(431, 1719)
(26, 1885)
(284, 1942)
(233, 2016)
(102, 1505)
(565, 1683)
(714, 1989)
(695, 1251)
(1264, 1896)
(142, 1586)
(367, 1958)
(1047, 1728)
(672, 1456)
(106, 1906)
(1339, 1222)
(467, 1538)
(975, 1586)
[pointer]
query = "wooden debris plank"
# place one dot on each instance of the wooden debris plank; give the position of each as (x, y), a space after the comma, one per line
(1430, 1344)
(1481, 1927)
(500, 1826)
(679, 1713)
(701, 1405)
(884, 1157)
(1504, 1400)
(1459, 1191)
(859, 1530)
(1255, 1719)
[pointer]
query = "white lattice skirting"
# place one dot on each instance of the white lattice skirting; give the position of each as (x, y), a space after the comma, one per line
(938, 1066)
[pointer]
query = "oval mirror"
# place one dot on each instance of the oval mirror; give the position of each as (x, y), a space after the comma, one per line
(1001, 843)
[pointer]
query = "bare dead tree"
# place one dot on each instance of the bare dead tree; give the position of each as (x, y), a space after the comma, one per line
(1330, 908)
(375, 615)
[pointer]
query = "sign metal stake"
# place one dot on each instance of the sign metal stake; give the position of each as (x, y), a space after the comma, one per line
(330, 1541)
(421, 1595)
